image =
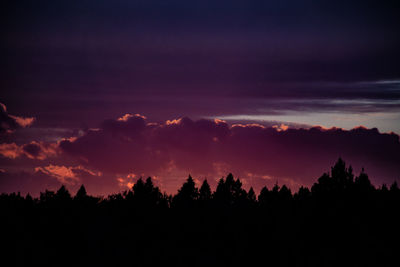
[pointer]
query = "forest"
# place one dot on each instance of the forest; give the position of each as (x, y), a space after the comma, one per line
(342, 220)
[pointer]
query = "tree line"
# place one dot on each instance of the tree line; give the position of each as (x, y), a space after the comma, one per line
(343, 219)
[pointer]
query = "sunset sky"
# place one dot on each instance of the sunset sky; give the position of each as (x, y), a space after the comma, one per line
(104, 92)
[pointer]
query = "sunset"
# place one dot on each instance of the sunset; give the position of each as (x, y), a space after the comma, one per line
(103, 100)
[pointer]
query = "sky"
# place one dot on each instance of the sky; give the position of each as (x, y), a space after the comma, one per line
(104, 92)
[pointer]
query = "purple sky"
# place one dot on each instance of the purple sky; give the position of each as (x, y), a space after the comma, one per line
(74, 65)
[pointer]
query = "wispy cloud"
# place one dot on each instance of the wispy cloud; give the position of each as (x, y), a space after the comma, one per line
(9, 123)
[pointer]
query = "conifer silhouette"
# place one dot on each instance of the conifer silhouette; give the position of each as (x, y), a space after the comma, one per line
(205, 191)
(343, 220)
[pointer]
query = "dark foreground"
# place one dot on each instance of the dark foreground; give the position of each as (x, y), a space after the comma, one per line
(342, 221)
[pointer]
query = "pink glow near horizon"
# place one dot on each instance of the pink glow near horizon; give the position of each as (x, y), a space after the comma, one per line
(115, 155)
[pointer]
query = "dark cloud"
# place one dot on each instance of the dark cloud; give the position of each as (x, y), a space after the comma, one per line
(256, 153)
(9, 123)
(6, 122)
(110, 148)
(32, 149)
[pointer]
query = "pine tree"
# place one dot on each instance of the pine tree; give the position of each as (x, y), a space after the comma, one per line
(63, 194)
(205, 191)
(187, 194)
(81, 194)
(251, 195)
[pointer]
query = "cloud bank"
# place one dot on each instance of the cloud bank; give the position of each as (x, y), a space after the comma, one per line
(211, 148)
(114, 155)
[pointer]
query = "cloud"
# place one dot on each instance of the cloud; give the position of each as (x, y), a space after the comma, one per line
(11, 150)
(51, 177)
(281, 127)
(23, 122)
(66, 175)
(33, 150)
(126, 182)
(256, 153)
(9, 123)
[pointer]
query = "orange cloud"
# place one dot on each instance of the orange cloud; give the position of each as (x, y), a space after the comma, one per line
(281, 127)
(65, 175)
(218, 121)
(127, 181)
(33, 150)
(175, 121)
(248, 125)
(23, 121)
(40, 150)
(127, 116)
(11, 150)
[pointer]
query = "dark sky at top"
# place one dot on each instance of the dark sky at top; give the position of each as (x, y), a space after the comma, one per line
(198, 58)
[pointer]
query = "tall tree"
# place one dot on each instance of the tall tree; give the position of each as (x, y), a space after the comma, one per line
(251, 195)
(145, 194)
(229, 191)
(205, 191)
(264, 196)
(187, 194)
(63, 194)
(362, 182)
(81, 194)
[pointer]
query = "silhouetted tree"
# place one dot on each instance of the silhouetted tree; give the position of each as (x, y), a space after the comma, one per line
(221, 191)
(264, 196)
(29, 198)
(342, 176)
(362, 183)
(239, 194)
(139, 189)
(251, 195)
(63, 194)
(230, 191)
(285, 194)
(394, 187)
(339, 172)
(187, 194)
(275, 193)
(342, 220)
(146, 195)
(205, 191)
(47, 197)
(384, 189)
(81, 194)
(303, 194)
